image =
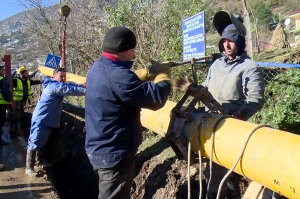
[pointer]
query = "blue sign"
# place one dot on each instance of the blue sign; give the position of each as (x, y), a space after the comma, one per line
(193, 39)
(52, 61)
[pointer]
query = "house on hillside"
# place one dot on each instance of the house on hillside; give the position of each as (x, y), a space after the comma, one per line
(293, 20)
(292, 24)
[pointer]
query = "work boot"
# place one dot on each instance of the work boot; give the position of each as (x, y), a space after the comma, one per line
(30, 160)
(40, 161)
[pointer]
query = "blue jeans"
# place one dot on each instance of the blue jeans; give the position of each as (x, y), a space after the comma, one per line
(38, 137)
(115, 182)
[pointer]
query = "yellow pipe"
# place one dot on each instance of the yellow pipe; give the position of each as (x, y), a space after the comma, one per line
(270, 158)
(70, 77)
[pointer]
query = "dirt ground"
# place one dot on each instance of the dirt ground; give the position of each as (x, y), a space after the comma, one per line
(14, 184)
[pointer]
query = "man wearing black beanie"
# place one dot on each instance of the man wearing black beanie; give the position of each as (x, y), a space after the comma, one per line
(114, 98)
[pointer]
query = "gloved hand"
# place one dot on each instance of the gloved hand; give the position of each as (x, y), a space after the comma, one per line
(157, 68)
(238, 116)
(161, 71)
(144, 75)
(182, 83)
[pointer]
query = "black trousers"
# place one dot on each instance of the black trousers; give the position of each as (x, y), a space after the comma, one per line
(115, 182)
(2, 117)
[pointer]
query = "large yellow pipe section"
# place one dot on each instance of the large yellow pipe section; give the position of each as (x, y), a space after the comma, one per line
(70, 77)
(271, 156)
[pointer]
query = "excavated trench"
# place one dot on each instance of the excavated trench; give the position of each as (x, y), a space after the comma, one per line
(71, 173)
(73, 177)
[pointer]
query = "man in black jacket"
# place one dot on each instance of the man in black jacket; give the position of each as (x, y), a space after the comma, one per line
(5, 100)
(114, 98)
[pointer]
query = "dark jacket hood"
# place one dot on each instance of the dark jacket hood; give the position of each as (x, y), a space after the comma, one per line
(231, 33)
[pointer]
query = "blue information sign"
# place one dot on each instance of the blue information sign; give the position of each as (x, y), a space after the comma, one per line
(52, 61)
(193, 31)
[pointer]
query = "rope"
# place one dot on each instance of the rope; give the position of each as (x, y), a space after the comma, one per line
(200, 165)
(197, 127)
(239, 156)
(212, 145)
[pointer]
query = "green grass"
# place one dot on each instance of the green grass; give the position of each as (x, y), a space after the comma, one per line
(156, 146)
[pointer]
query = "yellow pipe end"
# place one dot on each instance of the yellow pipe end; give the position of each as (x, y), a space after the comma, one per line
(70, 77)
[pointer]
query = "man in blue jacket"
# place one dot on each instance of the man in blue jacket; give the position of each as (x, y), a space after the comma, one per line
(114, 98)
(47, 115)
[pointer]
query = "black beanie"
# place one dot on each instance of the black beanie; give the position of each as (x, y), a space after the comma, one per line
(118, 39)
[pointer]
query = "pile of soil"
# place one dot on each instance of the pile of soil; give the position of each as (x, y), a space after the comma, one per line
(294, 57)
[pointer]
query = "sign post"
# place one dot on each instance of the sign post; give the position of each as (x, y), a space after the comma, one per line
(193, 41)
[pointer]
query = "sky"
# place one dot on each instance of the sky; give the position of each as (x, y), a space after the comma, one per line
(11, 7)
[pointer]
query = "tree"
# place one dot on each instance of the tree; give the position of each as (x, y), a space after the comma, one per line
(263, 15)
(156, 24)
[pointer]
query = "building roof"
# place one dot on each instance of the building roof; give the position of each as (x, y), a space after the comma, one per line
(290, 13)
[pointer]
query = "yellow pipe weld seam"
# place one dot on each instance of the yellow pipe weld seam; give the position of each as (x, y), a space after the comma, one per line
(271, 156)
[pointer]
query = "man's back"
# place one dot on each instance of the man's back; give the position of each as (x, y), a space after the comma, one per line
(114, 99)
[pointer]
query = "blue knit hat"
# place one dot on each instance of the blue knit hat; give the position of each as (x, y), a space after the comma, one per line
(231, 33)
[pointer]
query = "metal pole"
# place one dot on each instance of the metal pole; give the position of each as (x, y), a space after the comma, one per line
(63, 47)
(64, 12)
(247, 25)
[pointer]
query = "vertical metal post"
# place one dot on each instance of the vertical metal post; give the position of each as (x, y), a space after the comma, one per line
(247, 25)
(7, 65)
(63, 47)
(64, 12)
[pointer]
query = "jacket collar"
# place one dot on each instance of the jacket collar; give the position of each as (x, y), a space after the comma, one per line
(110, 58)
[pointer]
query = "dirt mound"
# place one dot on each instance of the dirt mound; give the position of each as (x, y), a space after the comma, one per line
(294, 57)
(165, 179)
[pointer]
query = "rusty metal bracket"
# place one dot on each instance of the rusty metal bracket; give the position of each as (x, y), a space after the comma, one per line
(180, 116)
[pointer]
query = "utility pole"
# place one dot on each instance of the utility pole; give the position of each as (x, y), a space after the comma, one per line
(64, 12)
(247, 25)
